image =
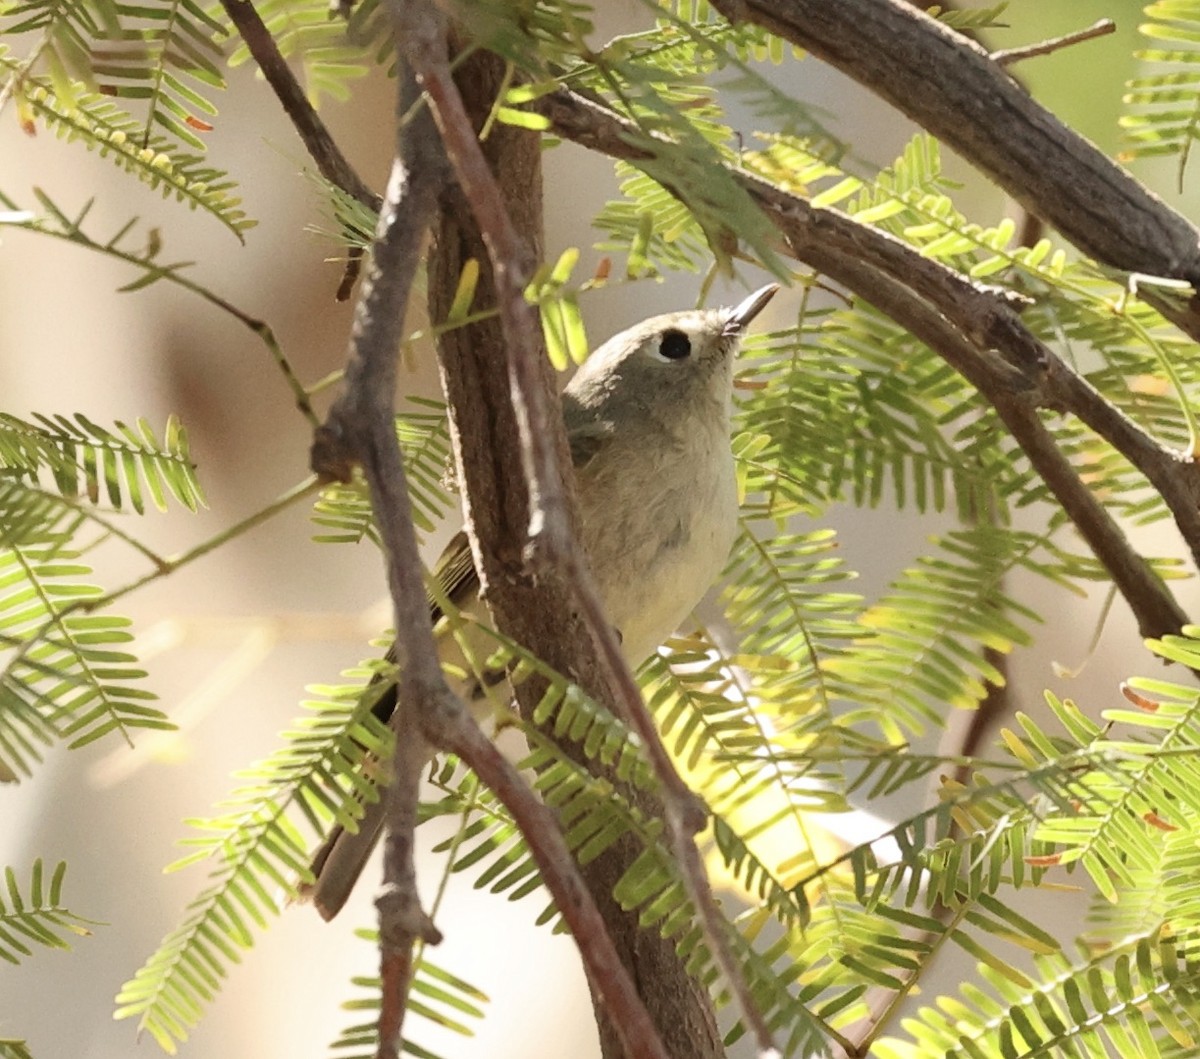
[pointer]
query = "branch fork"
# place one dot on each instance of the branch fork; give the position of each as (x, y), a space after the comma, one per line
(360, 430)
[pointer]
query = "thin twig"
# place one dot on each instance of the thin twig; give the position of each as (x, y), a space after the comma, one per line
(169, 564)
(550, 539)
(71, 231)
(1100, 28)
(964, 742)
(353, 266)
(321, 146)
(17, 77)
(360, 429)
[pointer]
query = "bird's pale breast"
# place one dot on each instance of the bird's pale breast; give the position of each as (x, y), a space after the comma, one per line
(655, 559)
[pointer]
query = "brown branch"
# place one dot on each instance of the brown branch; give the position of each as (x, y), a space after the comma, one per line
(989, 318)
(1155, 608)
(948, 85)
(402, 920)
(360, 429)
(1100, 28)
(322, 148)
(549, 536)
(540, 612)
(968, 327)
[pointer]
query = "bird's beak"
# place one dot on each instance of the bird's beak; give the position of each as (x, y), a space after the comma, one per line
(740, 317)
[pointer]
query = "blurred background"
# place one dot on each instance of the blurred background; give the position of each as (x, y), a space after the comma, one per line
(231, 640)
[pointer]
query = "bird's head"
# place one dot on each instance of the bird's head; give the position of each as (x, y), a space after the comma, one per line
(678, 361)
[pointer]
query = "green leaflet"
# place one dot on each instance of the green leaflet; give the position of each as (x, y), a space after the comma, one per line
(98, 122)
(436, 996)
(256, 852)
(67, 673)
(1138, 997)
(332, 53)
(1163, 106)
(343, 510)
(36, 914)
(121, 466)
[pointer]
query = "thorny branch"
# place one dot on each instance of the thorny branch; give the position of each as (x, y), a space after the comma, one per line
(978, 330)
(360, 429)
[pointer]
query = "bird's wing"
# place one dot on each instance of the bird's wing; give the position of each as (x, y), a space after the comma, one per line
(455, 570)
(588, 429)
(587, 440)
(340, 859)
(455, 575)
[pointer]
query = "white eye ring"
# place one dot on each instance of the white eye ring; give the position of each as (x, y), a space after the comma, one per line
(673, 345)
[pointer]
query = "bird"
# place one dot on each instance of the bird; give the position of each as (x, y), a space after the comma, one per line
(648, 421)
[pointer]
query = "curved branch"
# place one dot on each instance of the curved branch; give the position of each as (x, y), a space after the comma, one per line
(978, 331)
(950, 86)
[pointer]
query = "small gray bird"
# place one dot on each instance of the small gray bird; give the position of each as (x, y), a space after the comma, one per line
(648, 421)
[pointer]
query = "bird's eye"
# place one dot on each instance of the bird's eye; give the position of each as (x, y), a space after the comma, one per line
(675, 345)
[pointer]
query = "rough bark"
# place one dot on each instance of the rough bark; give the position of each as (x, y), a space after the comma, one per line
(538, 615)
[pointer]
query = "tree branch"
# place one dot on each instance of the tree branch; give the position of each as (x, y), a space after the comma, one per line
(950, 86)
(360, 429)
(549, 536)
(1154, 607)
(540, 611)
(324, 151)
(967, 324)
(988, 318)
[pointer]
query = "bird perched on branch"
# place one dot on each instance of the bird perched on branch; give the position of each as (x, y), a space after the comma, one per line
(648, 421)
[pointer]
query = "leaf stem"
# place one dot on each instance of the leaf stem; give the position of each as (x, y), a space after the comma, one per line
(71, 232)
(1192, 451)
(875, 1024)
(170, 564)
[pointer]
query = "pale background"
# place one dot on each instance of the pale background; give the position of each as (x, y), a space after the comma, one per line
(230, 640)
